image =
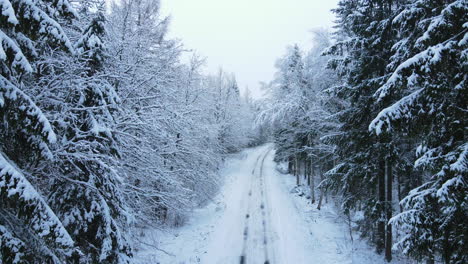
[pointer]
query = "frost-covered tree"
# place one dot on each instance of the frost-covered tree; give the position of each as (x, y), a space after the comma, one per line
(288, 105)
(91, 44)
(102, 127)
(27, 30)
(144, 68)
(300, 110)
(425, 96)
(166, 124)
(395, 124)
(224, 99)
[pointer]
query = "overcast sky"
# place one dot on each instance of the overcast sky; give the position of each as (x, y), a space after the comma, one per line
(246, 37)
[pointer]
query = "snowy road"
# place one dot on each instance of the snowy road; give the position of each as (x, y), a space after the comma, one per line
(256, 220)
(261, 223)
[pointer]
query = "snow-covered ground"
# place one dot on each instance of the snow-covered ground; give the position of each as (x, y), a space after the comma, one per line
(258, 219)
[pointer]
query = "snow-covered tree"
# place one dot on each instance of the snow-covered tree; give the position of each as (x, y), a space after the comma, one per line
(288, 104)
(227, 110)
(362, 51)
(30, 230)
(395, 124)
(143, 67)
(88, 194)
(425, 96)
(91, 45)
(167, 123)
(300, 111)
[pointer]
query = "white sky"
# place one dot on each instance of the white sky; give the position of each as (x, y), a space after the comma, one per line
(246, 37)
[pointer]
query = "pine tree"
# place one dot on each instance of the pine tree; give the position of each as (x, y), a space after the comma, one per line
(87, 197)
(287, 108)
(91, 45)
(30, 230)
(425, 97)
(365, 27)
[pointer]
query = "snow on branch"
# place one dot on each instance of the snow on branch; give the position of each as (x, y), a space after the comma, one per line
(461, 163)
(394, 112)
(18, 192)
(15, 246)
(442, 22)
(47, 25)
(36, 118)
(8, 45)
(8, 11)
(458, 167)
(64, 7)
(422, 61)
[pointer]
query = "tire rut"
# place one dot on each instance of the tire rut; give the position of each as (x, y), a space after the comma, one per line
(263, 200)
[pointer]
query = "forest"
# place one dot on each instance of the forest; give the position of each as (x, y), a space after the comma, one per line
(376, 113)
(106, 131)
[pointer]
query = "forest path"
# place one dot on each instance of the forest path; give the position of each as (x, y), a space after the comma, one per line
(257, 218)
(263, 224)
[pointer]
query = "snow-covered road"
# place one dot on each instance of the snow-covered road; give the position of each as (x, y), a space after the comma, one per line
(256, 220)
(260, 223)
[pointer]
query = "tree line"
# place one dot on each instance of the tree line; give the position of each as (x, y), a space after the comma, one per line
(376, 113)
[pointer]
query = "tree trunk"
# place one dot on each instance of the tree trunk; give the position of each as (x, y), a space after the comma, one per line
(389, 209)
(350, 225)
(290, 164)
(380, 208)
(430, 260)
(319, 206)
(296, 170)
(323, 192)
(399, 191)
(312, 183)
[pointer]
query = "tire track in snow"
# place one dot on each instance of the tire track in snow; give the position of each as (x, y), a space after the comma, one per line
(263, 207)
(243, 257)
(247, 216)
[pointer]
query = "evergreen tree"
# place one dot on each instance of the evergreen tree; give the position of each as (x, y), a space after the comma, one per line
(289, 88)
(425, 97)
(361, 60)
(30, 230)
(87, 197)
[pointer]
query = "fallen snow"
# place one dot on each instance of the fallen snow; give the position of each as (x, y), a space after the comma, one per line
(295, 231)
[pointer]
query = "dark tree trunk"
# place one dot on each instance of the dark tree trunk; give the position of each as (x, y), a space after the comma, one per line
(290, 164)
(296, 170)
(312, 182)
(399, 192)
(380, 208)
(430, 260)
(388, 241)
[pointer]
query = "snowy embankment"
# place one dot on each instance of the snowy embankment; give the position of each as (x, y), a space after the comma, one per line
(256, 217)
(331, 241)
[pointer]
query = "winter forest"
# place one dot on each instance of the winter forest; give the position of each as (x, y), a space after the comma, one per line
(116, 146)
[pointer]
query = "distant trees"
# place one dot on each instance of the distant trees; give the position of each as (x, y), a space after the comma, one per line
(395, 120)
(300, 111)
(102, 129)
